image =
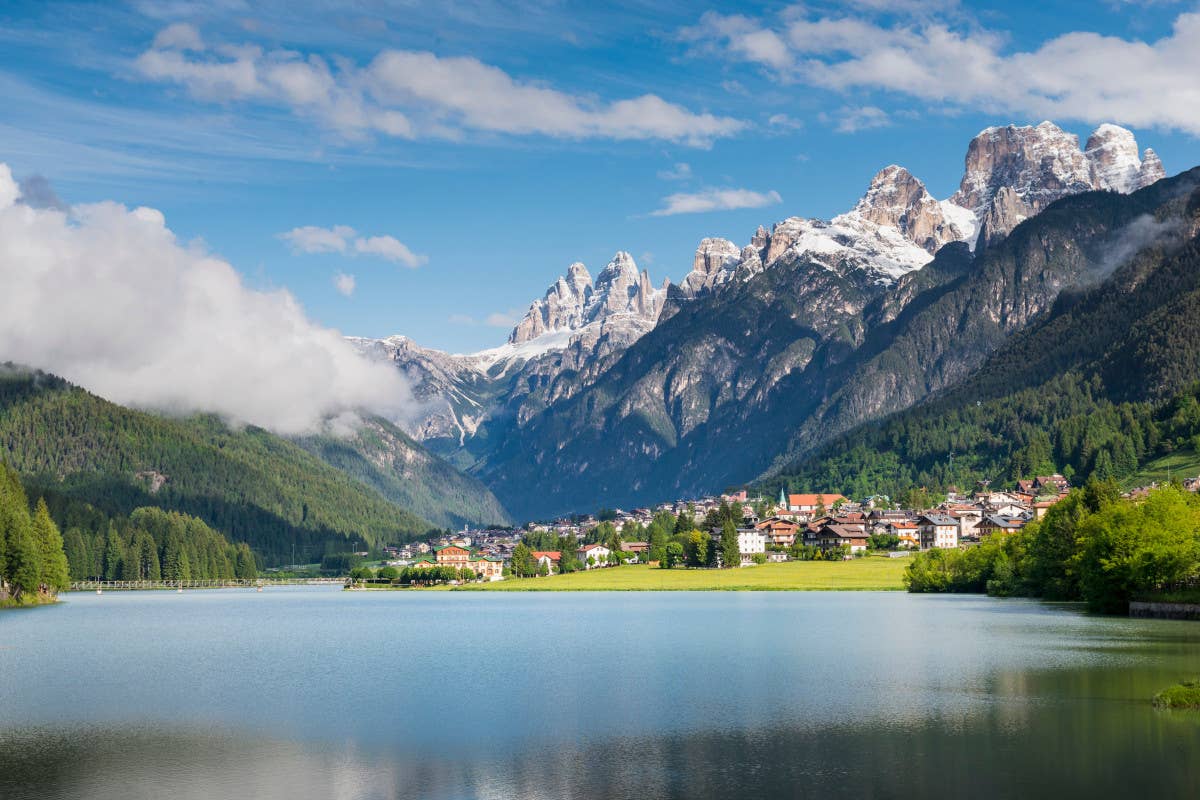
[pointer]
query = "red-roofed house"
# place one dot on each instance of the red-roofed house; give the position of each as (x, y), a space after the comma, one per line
(812, 503)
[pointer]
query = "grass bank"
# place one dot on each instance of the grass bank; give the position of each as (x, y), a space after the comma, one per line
(861, 574)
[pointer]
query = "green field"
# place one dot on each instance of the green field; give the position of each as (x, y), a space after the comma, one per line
(861, 574)
(1180, 464)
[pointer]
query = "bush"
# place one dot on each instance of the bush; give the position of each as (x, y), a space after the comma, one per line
(1181, 695)
(759, 558)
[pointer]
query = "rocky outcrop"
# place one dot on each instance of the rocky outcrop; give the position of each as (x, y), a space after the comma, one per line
(714, 263)
(574, 301)
(1151, 170)
(896, 199)
(1112, 153)
(1014, 172)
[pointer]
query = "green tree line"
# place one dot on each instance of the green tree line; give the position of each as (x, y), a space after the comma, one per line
(151, 544)
(33, 565)
(1066, 425)
(259, 488)
(1093, 546)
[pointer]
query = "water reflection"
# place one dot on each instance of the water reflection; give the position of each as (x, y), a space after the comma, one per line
(317, 694)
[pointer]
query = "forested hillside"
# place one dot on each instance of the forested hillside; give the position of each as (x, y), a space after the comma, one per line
(1100, 385)
(149, 544)
(33, 566)
(249, 484)
(382, 456)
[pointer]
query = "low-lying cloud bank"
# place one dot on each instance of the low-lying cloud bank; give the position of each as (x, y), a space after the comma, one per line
(108, 298)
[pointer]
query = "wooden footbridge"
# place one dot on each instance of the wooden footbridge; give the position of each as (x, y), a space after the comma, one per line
(216, 583)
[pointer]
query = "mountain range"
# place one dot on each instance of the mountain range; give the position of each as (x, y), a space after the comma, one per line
(851, 354)
(620, 391)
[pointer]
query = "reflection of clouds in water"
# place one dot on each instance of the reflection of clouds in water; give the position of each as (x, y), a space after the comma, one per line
(322, 694)
(1100, 750)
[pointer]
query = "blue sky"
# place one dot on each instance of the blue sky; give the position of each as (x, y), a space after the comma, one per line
(470, 151)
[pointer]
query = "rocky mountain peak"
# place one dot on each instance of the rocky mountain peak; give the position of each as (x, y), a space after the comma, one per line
(621, 289)
(1151, 170)
(1113, 154)
(1014, 172)
(713, 264)
(574, 300)
(896, 198)
(1040, 163)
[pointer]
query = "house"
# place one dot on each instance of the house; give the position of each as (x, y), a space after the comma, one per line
(777, 556)
(750, 542)
(640, 548)
(594, 555)
(908, 531)
(995, 523)
(452, 555)
(1052, 484)
(549, 558)
(833, 535)
(938, 531)
(779, 531)
(809, 504)
(1042, 506)
(968, 520)
(488, 567)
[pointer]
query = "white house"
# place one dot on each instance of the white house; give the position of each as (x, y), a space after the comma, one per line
(597, 552)
(938, 530)
(751, 541)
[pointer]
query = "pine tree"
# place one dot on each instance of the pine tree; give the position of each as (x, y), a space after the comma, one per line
(54, 571)
(114, 554)
(731, 554)
(246, 568)
(24, 568)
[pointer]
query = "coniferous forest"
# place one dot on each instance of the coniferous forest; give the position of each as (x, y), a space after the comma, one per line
(254, 487)
(33, 566)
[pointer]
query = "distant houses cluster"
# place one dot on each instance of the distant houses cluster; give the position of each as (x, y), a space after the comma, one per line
(810, 523)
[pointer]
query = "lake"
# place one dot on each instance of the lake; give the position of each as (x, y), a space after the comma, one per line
(319, 693)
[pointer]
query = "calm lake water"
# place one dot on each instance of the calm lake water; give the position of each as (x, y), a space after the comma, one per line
(319, 693)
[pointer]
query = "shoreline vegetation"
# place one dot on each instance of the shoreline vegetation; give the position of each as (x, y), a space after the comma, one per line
(872, 573)
(1182, 696)
(1093, 546)
(33, 565)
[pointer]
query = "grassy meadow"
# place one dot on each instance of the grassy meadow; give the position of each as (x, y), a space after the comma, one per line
(862, 574)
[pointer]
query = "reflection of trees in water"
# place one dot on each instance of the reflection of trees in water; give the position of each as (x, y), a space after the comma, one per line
(1015, 746)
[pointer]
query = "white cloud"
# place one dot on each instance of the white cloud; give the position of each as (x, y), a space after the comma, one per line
(679, 172)
(852, 120)
(390, 248)
(344, 239)
(740, 36)
(715, 200)
(1079, 75)
(409, 94)
(784, 122)
(109, 299)
(312, 239)
(179, 36)
(345, 284)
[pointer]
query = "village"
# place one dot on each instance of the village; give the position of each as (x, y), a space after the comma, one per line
(792, 526)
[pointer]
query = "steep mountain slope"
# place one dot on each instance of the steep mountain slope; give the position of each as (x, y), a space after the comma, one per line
(249, 484)
(691, 408)
(553, 419)
(382, 456)
(1101, 384)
